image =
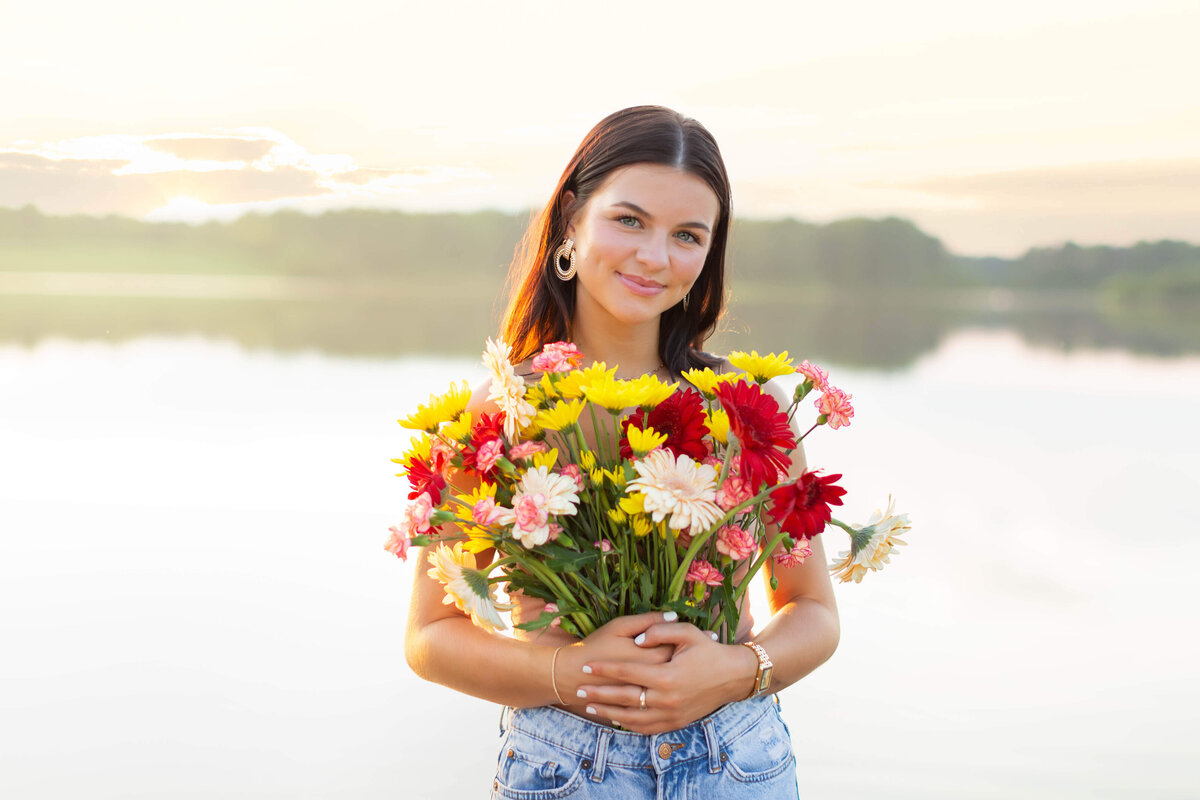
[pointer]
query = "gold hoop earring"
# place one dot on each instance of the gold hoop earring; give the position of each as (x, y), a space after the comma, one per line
(566, 250)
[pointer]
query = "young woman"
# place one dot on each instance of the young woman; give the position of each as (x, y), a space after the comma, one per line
(627, 261)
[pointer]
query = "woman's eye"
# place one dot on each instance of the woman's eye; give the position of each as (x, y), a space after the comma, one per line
(691, 236)
(628, 222)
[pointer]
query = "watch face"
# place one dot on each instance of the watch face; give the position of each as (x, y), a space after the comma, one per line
(764, 680)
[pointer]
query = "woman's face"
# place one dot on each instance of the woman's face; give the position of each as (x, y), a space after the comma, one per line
(641, 241)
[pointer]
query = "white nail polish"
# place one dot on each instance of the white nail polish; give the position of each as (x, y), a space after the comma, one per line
(714, 636)
(641, 637)
(670, 616)
(580, 693)
(591, 710)
(587, 669)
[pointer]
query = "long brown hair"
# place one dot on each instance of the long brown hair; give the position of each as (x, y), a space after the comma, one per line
(541, 307)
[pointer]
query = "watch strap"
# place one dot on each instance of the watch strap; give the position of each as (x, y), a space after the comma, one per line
(762, 679)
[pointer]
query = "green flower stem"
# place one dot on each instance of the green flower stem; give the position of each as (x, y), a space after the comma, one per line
(676, 587)
(757, 565)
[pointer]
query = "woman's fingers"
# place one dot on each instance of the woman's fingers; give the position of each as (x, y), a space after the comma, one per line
(634, 624)
(675, 634)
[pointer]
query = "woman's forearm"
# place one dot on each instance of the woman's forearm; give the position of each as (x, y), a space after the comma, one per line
(801, 636)
(456, 653)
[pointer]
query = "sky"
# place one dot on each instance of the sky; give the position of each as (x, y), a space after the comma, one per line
(995, 127)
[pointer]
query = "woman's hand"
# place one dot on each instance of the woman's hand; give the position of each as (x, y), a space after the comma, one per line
(700, 677)
(614, 642)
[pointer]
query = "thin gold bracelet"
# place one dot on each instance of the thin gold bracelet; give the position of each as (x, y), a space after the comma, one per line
(553, 680)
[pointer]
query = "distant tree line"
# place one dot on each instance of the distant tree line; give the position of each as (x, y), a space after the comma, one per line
(860, 254)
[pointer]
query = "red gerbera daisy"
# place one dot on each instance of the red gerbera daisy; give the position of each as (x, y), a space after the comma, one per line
(761, 428)
(680, 417)
(802, 509)
(487, 429)
(423, 477)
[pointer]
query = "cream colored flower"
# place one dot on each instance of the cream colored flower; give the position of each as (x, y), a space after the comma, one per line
(541, 494)
(879, 536)
(507, 389)
(678, 487)
(466, 587)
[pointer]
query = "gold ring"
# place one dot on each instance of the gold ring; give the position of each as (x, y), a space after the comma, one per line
(642, 700)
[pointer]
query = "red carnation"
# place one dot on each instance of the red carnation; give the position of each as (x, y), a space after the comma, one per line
(487, 429)
(802, 508)
(680, 417)
(761, 429)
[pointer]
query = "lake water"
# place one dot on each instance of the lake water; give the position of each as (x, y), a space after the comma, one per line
(194, 601)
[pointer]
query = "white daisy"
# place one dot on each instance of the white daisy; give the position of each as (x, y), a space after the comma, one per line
(679, 487)
(466, 587)
(540, 494)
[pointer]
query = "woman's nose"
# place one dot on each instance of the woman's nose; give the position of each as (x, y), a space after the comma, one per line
(653, 253)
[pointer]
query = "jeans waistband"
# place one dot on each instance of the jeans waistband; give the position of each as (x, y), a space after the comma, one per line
(661, 751)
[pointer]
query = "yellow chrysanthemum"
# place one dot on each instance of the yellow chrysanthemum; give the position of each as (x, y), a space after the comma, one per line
(616, 477)
(617, 516)
(535, 396)
(634, 503)
(718, 424)
(643, 441)
(587, 460)
(546, 384)
(597, 476)
(570, 386)
(547, 459)
(460, 429)
(562, 415)
(706, 380)
(762, 368)
(419, 447)
(440, 408)
(613, 394)
(484, 489)
(652, 391)
(641, 526)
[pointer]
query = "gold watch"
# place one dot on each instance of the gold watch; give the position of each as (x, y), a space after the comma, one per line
(762, 681)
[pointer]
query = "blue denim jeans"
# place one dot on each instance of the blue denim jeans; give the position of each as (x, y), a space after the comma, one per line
(742, 750)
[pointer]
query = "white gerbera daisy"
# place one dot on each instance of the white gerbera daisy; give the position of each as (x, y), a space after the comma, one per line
(466, 587)
(540, 494)
(561, 492)
(871, 545)
(679, 487)
(507, 389)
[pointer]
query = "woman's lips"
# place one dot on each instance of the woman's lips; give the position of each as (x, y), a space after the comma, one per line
(639, 286)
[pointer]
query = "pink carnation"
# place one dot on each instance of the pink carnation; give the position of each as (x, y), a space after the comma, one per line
(531, 512)
(416, 516)
(486, 512)
(525, 450)
(818, 376)
(605, 546)
(796, 556)
(398, 544)
(573, 472)
(701, 571)
(557, 357)
(735, 542)
(732, 492)
(553, 609)
(487, 455)
(835, 405)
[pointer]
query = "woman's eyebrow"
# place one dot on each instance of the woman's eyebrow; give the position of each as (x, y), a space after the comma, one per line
(648, 215)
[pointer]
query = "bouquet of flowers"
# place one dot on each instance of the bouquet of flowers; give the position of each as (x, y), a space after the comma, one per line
(602, 513)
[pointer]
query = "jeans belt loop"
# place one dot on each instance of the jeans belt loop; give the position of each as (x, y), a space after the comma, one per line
(600, 761)
(714, 746)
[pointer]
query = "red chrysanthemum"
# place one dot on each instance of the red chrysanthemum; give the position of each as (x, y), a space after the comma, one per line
(680, 417)
(423, 477)
(488, 429)
(761, 429)
(802, 509)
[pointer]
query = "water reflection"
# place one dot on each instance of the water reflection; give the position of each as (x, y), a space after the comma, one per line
(881, 331)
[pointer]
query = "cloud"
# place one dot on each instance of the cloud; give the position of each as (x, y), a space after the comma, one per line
(1168, 187)
(213, 148)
